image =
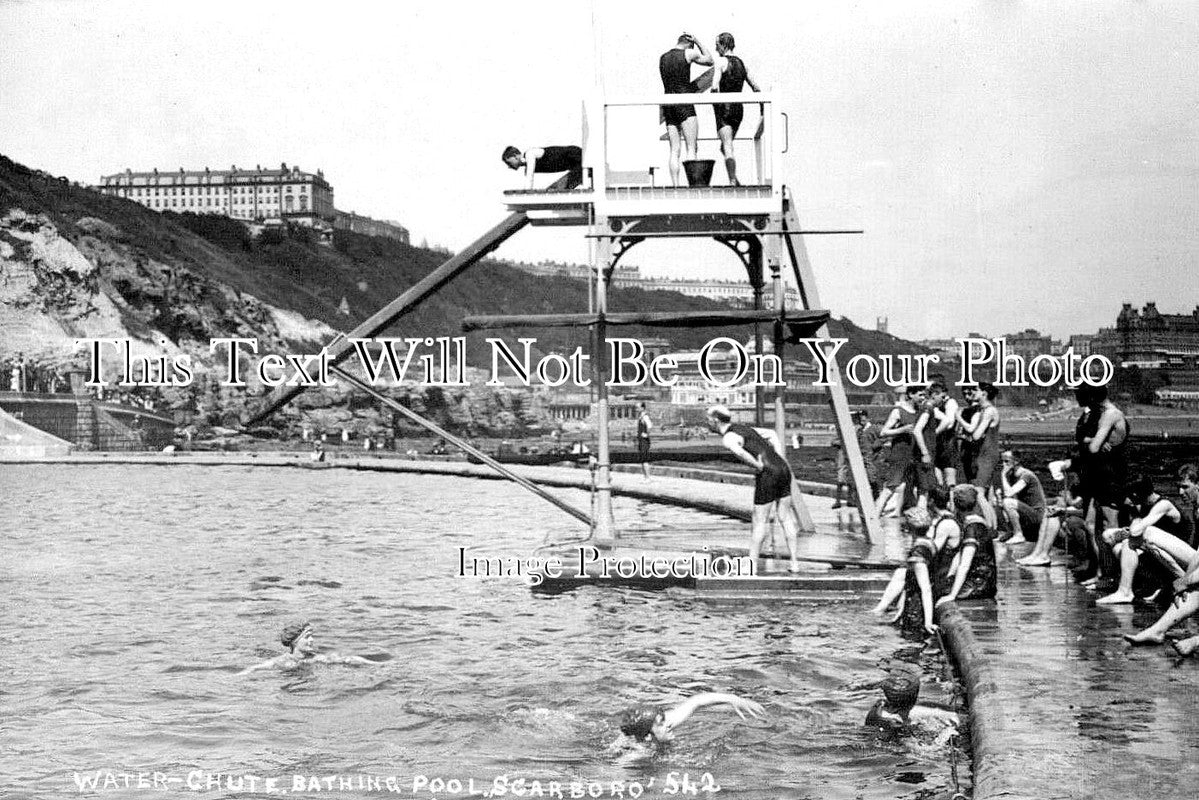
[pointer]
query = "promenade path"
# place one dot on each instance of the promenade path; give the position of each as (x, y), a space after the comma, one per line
(1062, 706)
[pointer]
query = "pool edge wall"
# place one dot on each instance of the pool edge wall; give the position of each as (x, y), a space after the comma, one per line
(986, 716)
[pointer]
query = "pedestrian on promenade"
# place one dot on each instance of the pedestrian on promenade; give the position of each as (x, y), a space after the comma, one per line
(644, 426)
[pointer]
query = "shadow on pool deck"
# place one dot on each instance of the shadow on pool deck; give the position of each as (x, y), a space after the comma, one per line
(1062, 707)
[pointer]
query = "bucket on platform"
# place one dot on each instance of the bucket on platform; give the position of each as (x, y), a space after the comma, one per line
(699, 171)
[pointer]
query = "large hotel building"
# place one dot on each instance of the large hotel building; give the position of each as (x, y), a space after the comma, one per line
(248, 195)
(251, 195)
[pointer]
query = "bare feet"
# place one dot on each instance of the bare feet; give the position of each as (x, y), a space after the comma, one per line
(1115, 598)
(1185, 647)
(1034, 561)
(1017, 539)
(1142, 638)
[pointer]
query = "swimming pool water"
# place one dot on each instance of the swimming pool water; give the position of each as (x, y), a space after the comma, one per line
(135, 594)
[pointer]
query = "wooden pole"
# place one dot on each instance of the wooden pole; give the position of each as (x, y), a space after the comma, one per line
(461, 445)
(604, 527)
(806, 280)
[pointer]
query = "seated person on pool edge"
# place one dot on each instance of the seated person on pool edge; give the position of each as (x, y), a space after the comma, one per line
(657, 724)
(547, 160)
(761, 450)
(297, 638)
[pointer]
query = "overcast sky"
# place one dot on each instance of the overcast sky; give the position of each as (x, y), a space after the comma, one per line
(1013, 164)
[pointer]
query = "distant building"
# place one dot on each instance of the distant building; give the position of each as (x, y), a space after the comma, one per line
(1149, 338)
(255, 196)
(737, 293)
(245, 194)
(1081, 344)
(356, 223)
(1030, 343)
(943, 347)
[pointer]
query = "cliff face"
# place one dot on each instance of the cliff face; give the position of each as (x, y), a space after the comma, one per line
(55, 290)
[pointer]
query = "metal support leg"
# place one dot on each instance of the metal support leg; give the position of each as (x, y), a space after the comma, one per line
(849, 437)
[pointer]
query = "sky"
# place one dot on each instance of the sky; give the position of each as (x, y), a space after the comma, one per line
(1012, 164)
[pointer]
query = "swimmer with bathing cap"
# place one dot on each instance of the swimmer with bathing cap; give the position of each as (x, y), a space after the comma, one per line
(297, 638)
(655, 725)
(898, 712)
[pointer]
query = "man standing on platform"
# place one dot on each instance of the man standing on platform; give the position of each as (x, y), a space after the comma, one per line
(675, 68)
(760, 449)
(730, 75)
(644, 425)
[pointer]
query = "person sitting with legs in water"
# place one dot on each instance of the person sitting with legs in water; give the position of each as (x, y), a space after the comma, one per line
(936, 536)
(657, 724)
(297, 638)
(1154, 514)
(760, 449)
(1023, 499)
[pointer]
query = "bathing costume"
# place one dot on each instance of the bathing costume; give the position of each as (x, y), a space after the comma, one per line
(986, 459)
(947, 454)
(774, 479)
(731, 80)
(899, 460)
(675, 70)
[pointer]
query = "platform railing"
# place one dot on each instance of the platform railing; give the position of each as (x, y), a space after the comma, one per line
(769, 138)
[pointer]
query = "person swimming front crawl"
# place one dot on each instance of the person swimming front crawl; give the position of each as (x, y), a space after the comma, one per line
(655, 725)
(297, 638)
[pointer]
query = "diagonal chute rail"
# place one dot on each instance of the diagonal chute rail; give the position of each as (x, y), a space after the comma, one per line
(461, 445)
(340, 348)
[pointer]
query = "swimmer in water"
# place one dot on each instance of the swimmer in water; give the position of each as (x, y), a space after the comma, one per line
(898, 712)
(655, 725)
(297, 638)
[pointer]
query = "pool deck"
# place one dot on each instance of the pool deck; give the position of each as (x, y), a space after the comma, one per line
(1061, 706)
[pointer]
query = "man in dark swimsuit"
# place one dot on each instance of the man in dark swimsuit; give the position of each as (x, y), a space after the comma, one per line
(675, 68)
(547, 161)
(772, 487)
(730, 75)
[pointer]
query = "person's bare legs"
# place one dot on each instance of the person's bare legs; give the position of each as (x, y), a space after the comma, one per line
(790, 521)
(892, 591)
(690, 127)
(1186, 647)
(1039, 556)
(673, 136)
(726, 149)
(760, 524)
(1129, 558)
(1183, 606)
(1010, 510)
